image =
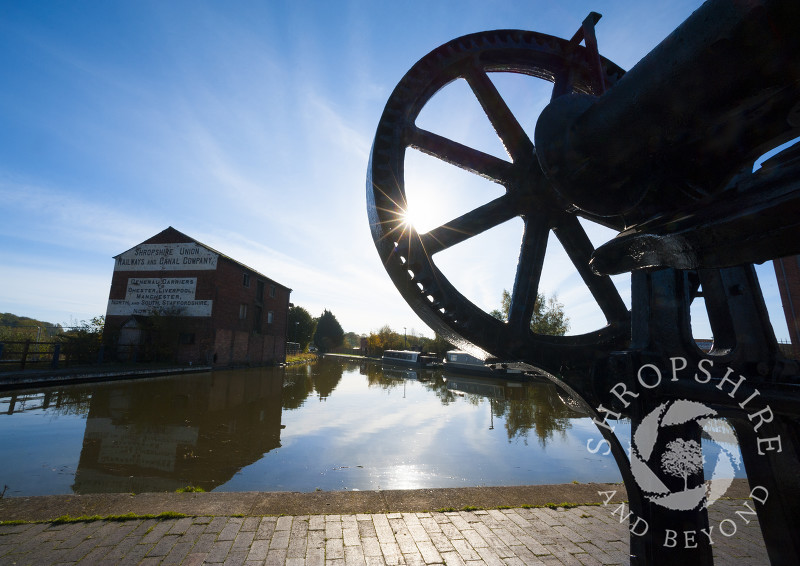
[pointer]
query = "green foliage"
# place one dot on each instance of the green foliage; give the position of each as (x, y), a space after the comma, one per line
(439, 345)
(548, 314)
(82, 343)
(63, 519)
(387, 339)
(15, 328)
(352, 340)
(329, 333)
(301, 327)
(190, 489)
(304, 358)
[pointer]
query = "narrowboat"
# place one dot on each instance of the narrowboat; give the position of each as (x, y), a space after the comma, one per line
(459, 361)
(462, 362)
(409, 358)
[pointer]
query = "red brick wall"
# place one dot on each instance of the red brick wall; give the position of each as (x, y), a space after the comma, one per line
(787, 271)
(268, 344)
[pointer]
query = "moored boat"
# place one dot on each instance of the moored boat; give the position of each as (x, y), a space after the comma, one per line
(460, 361)
(409, 358)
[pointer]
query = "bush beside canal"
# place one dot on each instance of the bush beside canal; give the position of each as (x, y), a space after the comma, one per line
(306, 358)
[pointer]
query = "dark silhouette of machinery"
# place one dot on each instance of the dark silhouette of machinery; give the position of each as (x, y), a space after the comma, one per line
(663, 155)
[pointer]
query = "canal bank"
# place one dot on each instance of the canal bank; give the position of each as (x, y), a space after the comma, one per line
(50, 507)
(474, 526)
(10, 380)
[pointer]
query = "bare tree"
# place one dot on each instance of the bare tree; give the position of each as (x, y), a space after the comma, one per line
(683, 458)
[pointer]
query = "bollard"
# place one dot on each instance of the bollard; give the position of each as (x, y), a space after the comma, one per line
(56, 356)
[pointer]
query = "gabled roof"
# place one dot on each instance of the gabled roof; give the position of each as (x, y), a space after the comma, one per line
(176, 236)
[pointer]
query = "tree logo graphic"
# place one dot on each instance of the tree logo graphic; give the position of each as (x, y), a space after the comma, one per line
(682, 458)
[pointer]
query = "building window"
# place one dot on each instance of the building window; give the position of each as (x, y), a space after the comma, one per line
(242, 311)
(270, 316)
(246, 279)
(260, 290)
(272, 291)
(257, 312)
(186, 338)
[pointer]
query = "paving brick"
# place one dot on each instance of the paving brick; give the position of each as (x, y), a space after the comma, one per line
(383, 529)
(391, 553)
(216, 525)
(276, 557)
(258, 550)
(334, 548)
(242, 541)
(265, 528)
(466, 550)
(429, 552)
(235, 558)
(371, 546)
(250, 524)
(354, 556)
(178, 553)
(513, 537)
(280, 540)
(180, 526)
(231, 529)
(219, 551)
(351, 536)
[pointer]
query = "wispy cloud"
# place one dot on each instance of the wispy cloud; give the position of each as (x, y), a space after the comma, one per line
(67, 219)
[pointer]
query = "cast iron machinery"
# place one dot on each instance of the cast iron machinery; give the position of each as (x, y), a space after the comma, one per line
(663, 155)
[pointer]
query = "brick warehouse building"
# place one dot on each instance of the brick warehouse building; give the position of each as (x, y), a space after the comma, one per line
(173, 297)
(787, 272)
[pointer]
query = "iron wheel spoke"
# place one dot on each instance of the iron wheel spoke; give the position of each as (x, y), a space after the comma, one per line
(460, 155)
(563, 83)
(514, 138)
(529, 271)
(468, 225)
(576, 243)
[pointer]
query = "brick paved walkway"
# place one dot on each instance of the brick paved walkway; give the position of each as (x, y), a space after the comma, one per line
(585, 535)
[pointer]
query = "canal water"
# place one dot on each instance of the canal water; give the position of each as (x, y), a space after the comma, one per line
(331, 425)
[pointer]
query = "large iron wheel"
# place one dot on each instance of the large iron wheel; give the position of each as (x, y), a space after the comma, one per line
(409, 257)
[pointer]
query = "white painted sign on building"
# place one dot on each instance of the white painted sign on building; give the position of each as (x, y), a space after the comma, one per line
(166, 295)
(166, 257)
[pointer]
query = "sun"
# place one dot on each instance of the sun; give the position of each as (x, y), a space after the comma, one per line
(421, 217)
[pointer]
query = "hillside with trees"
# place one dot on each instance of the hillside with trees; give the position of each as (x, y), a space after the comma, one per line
(14, 327)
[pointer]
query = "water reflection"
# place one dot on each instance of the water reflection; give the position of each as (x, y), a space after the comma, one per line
(302, 428)
(318, 380)
(198, 430)
(529, 406)
(523, 405)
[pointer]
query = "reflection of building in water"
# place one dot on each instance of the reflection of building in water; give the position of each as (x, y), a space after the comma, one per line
(169, 433)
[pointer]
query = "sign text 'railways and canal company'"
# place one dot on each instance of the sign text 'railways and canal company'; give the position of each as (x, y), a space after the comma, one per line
(146, 295)
(166, 257)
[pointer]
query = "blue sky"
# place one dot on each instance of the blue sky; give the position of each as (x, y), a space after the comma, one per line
(248, 125)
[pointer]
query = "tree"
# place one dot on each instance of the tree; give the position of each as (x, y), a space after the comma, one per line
(683, 458)
(301, 327)
(352, 340)
(329, 333)
(82, 342)
(20, 328)
(548, 314)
